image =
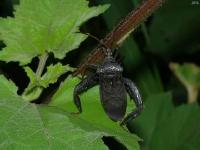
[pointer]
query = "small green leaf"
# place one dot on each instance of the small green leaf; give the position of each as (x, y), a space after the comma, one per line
(189, 75)
(44, 26)
(34, 88)
(53, 73)
(164, 126)
(92, 112)
(37, 83)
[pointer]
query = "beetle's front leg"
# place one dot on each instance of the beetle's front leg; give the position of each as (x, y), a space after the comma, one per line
(84, 85)
(92, 66)
(135, 95)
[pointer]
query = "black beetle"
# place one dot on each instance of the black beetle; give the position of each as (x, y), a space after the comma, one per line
(113, 87)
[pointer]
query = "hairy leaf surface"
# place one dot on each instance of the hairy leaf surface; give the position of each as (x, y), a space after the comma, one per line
(44, 26)
(27, 126)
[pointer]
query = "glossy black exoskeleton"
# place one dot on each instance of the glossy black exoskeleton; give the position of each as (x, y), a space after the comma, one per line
(113, 88)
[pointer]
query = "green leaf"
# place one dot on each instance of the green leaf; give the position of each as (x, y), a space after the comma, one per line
(53, 72)
(164, 126)
(37, 83)
(189, 76)
(44, 26)
(92, 111)
(7, 87)
(24, 125)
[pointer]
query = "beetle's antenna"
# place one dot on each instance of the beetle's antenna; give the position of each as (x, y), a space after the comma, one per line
(107, 50)
(94, 37)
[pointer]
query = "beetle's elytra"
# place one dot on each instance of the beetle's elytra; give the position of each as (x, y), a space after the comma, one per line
(113, 88)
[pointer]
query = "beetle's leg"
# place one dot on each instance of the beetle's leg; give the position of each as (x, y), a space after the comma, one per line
(92, 66)
(135, 95)
(84, 85)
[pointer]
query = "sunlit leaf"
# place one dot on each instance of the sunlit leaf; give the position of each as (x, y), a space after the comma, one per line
(44, 26)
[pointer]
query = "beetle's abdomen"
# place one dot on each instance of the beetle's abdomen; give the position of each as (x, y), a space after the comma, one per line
(113, 99)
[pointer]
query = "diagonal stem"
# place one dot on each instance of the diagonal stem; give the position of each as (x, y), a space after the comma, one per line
(117, 36)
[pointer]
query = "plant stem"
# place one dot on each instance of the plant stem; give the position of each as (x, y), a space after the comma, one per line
(116, 37)
(41, 65)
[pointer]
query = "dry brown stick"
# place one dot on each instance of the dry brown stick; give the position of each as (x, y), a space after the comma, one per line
(116, 37)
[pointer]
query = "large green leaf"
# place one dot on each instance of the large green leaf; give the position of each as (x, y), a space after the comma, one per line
(28, 126)
(92, 111)
(164, 126)
(44, 26)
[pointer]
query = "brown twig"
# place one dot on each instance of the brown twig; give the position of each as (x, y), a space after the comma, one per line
(116, 37)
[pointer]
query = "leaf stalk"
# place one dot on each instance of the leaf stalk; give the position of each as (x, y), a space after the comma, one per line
(41, 65)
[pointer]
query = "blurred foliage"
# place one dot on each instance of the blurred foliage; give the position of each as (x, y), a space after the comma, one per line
(189, 76)
(171, 34)
(175, 29)
(164, 126)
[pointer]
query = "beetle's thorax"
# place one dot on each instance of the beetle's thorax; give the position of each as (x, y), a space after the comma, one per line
(109, 66)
